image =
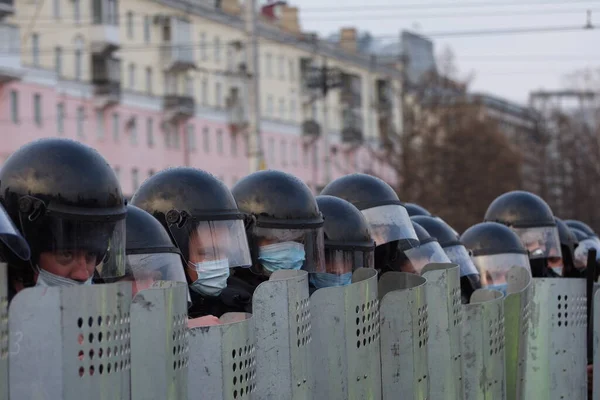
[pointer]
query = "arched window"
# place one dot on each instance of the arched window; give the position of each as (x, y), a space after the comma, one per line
(78, 45)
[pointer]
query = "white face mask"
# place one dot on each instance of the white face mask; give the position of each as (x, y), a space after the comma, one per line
(212, 277)
(48, 279)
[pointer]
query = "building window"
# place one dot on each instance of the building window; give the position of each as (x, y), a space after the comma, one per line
(269, 105)
(80, 121)
(219, 141)
(305, 156)
(58, 61)
(35, 50)
(37, 109)
(147, 29)
(150, 132)
(175, 137)
(100, 124)
(131, 76)
(77, 11)
(191, 138)
(203, 47)
(292, 109)
(234, 145)
(281, 108)
(217, 49)
(204, 90)
(113, 13)
(283, 155)
(60, 118)
(129, 25)
(291, 70)
(116, 128)
(271, 150)
(189, 86)
(268, 65)
(218, 95)
(14, 106)
(206, 140)
(132, 131)
(56, 9)
(135, 182)
(149, 80)
(294, 149)
(167, 132)
(78, 58)
(281, 67)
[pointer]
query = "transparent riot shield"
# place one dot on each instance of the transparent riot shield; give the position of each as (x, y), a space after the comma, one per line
(556, 348)
(516, 330)
(346, 359)
(483, 366)
(159, 342)
(445, 319)
(223, 359)
(282, 328)
(404, 336)
(70, 343)
(3, 332)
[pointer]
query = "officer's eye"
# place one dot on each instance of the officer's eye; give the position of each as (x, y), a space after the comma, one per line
(64, 256)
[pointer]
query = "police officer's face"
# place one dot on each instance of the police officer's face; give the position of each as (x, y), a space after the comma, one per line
(78, 265)
(142, 281)
(207, 244)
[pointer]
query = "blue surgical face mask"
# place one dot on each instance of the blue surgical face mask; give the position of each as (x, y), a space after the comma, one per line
(48, 279)
(285, 255)
(322, 280)
(558, 270)
(212, 277)
(501, 287)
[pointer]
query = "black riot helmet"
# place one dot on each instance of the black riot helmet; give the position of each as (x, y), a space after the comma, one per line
(568, 242)
(582, 226)
(532, 220)
(415, 209)
(151, 254)
(494, 249)
(200, 214)
(12, 244)
(456, 252)
(428, 251)
(287, 227)
(67, 202)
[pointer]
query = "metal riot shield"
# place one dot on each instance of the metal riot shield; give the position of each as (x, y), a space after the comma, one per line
(516, 329)
(282, 328)
(70, 343)
(445, 319)
(404, 336)
(159, 342)
(3, 332)
(556, 348)
(483, 346)
(223, 359)
(346, 360)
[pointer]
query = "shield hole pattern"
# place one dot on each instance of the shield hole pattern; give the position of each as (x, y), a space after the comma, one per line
(496, 343)
(180, 342)
(455, 321)
(243, 375)
(571, 311)
(423, 326)
(3, 327)
(367, 323)
(303, 325)
(104, 344)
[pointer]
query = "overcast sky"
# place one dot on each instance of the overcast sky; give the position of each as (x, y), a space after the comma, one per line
(505, 65)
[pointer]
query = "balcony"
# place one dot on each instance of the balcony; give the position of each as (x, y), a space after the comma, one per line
(106, 78)
(10, 53)
(236, 113)
(177, 50)
(104, 39)
(178, 107)
(7, 7)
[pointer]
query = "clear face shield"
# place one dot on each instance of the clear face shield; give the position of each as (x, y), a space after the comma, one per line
(494, 268)
(419, 257)
(339, 266)
(11, 238)
(145, 269)
(389, 223)
(224, 241)
(581, 252)
(458, 254)
(76, 248)
(543, 243)
(291, 249)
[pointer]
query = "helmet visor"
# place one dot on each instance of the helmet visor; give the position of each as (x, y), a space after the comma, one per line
(425, 254)
(541, 242)
(494, 268)
(289, 249)
(146, 269)
(219, 240)
(339, 261)
(458, 254)
(389, 223)
(581, 252)
(64, 244)
(11, 238)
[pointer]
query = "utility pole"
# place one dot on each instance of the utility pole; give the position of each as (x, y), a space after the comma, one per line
(255, 148)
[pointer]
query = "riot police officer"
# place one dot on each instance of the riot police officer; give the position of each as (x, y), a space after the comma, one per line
(67, 202)
(151, 254)
(388, 219)
(532, 220)
(456, 252)
(286, 231)
(414, 259)
(203, 220)
(568, 243)
(348, 243)
(494, 249)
